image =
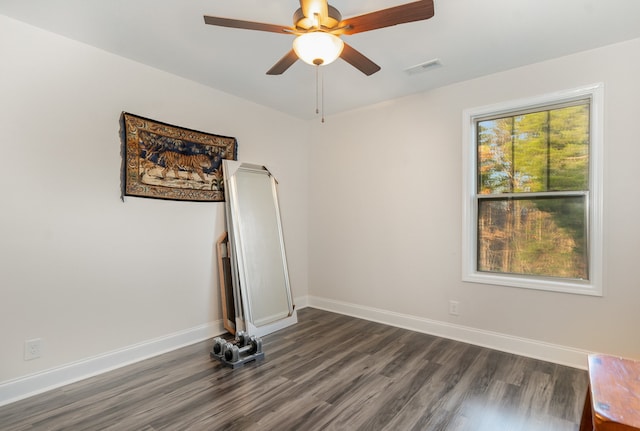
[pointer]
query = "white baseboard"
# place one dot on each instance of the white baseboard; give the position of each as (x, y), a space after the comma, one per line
(494, 340)
(24, 387)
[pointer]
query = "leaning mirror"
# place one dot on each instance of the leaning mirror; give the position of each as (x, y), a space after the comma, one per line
(260, 277)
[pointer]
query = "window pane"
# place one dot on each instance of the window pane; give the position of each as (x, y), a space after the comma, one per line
(494, 155)
(569, 148)
(542, 236)
(530, 152)
(535, 152)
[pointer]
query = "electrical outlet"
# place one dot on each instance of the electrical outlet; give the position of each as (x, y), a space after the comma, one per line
(32, 349)
(454, 308)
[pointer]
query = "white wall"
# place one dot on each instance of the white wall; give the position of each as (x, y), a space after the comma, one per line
(80, 269)
(386, 207)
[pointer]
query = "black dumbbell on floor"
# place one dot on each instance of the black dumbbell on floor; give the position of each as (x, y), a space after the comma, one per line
(232, 352)
(218, 346)
(242, 339)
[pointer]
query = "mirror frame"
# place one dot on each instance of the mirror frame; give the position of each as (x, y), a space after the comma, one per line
(244, 291)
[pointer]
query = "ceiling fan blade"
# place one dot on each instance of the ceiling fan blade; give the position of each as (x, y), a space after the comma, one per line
(358, 60)
(283, 64)
(247, 25)
(416, 11)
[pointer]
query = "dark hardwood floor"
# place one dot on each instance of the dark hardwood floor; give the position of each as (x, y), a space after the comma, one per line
(328, 372)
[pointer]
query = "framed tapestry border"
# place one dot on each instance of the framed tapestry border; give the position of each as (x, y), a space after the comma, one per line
(164, 161)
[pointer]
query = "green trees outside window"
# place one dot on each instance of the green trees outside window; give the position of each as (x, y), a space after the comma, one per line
(532, 192)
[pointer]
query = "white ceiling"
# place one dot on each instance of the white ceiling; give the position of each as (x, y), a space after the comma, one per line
(470, 37)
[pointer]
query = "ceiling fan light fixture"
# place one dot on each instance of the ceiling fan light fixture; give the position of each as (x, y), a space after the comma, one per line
(318, 47)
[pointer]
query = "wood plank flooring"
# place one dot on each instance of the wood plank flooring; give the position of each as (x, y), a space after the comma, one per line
(328, 372)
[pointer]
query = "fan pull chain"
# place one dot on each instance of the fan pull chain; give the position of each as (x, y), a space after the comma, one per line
(317, 69)
(319, 92)
(322, 95)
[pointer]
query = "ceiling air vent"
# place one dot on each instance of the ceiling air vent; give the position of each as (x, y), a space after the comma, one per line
(424, 67)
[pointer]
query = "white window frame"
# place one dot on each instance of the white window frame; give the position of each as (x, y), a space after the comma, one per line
(593, 286)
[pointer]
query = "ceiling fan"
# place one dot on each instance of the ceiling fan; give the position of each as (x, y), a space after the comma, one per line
(317, 20)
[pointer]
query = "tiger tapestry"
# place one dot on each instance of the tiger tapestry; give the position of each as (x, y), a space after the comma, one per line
(169, 162)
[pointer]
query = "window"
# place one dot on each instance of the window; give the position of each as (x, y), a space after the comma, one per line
(532, 193)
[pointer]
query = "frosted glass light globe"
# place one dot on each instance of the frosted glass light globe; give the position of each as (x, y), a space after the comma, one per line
(318, 48)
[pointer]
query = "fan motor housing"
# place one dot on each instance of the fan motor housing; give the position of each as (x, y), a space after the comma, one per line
(305, 23)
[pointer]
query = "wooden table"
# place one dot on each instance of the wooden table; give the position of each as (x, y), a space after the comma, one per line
(613, 398)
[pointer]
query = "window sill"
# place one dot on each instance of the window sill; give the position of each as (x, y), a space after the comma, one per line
(577, 287)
